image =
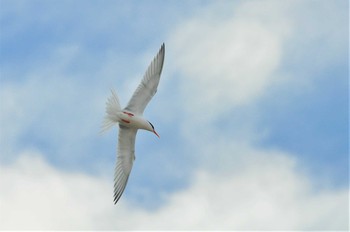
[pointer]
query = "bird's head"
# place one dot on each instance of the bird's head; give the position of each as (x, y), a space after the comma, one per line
(151, 128)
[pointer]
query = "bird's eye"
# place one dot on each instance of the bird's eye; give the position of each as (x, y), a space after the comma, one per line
(151, 125)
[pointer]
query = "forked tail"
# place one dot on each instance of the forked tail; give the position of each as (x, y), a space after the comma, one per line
(112, 109)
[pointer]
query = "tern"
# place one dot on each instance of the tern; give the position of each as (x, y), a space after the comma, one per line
(130, 119)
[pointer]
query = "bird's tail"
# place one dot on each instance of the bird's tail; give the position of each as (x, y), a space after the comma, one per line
(112, 109)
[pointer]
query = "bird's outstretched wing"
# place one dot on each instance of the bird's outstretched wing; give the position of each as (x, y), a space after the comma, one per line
(148, 86)
(125, 159)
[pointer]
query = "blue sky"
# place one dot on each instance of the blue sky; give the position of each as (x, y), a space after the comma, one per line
(251, 92)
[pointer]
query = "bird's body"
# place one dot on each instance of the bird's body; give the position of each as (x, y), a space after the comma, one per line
(130, 119)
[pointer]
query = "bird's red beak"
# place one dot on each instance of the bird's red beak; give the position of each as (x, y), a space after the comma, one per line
(156, 133)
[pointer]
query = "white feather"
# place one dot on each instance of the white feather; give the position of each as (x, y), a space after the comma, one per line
(112, 110)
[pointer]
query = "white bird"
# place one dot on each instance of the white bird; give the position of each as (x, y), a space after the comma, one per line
(130, 119)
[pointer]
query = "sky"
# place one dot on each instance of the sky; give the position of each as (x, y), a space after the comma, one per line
(252, 112)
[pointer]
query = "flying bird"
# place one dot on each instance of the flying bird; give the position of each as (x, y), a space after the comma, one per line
(130, 119)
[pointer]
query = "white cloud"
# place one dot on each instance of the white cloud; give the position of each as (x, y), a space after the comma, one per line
(51, 103)
(36, 196)
(229, 60)
(228, 57)
(230, 54)
(256, 198)
(265, 193)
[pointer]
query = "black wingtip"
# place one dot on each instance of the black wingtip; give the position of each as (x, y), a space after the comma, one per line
(116, 199)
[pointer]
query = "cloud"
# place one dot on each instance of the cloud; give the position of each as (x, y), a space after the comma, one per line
(266, 196)
(229, 60)
(34, 195)
(52, 105)
(252, 71)
(234, 54)
(268, 193)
